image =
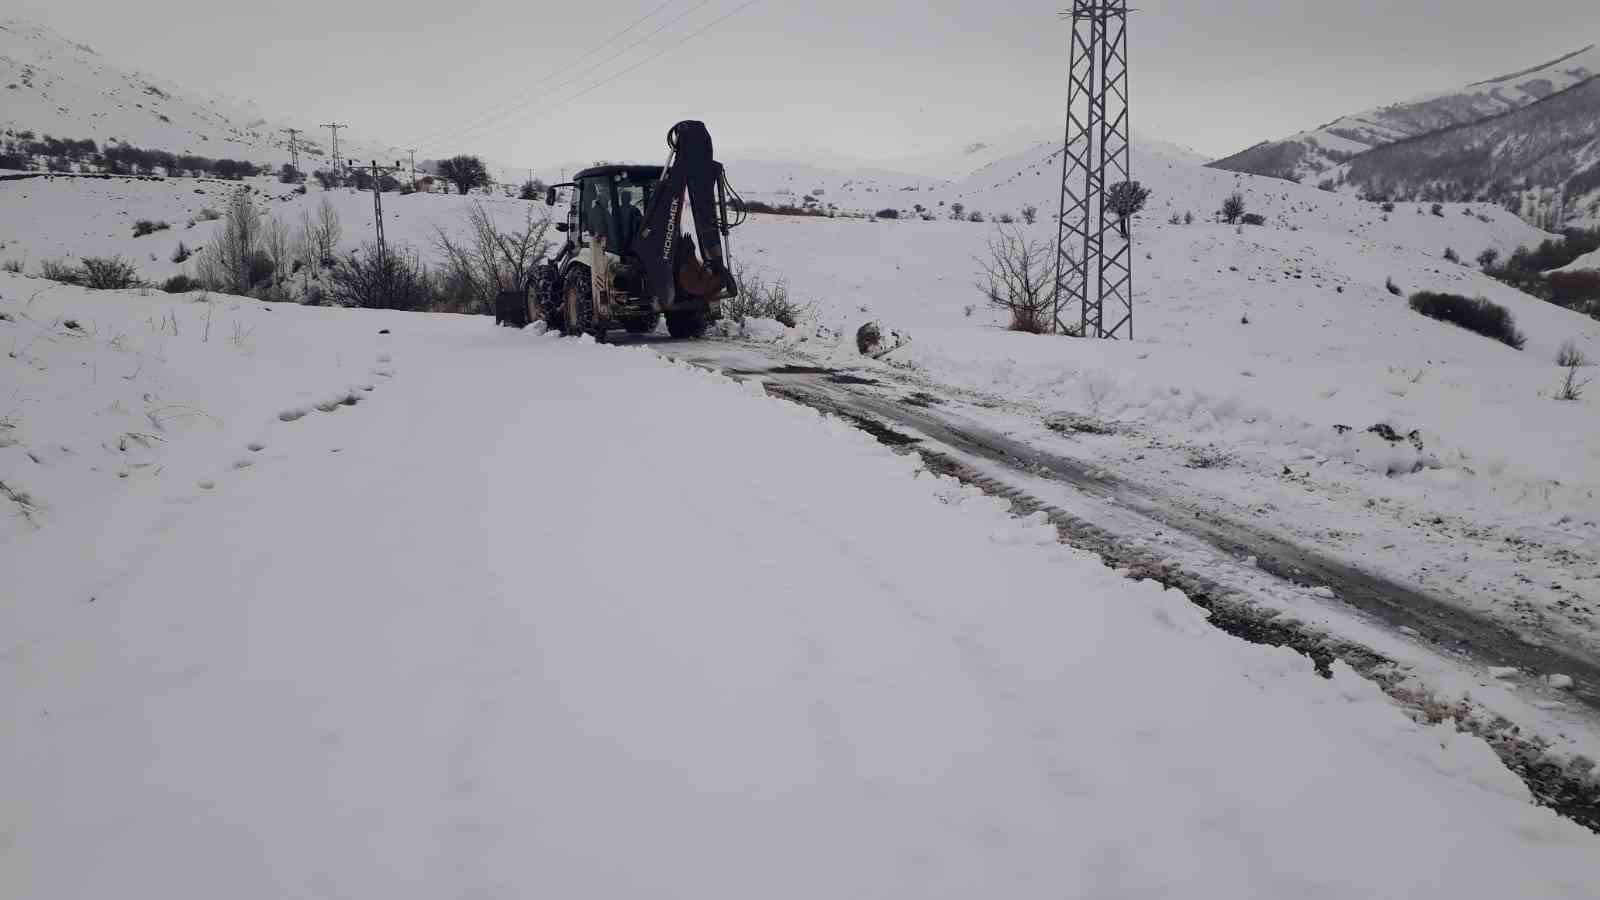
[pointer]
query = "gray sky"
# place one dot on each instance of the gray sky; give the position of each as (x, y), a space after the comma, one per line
(862, 78)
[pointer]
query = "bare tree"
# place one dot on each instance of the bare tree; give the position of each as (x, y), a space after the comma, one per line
(1030, 213)
(1233, 207)
(1126, 199)
(1018, 277)
(229, 262)
(279, 249)
(465, 172)
(487, 260)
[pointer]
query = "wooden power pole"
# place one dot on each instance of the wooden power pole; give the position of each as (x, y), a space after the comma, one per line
(378, 172)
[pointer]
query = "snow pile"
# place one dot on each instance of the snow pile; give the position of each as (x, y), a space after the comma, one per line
(660, 636)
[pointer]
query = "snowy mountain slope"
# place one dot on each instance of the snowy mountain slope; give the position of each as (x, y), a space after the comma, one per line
(1178, 188)
(855, 679)
(1521, 157)
(1310, 154)
(52, 85)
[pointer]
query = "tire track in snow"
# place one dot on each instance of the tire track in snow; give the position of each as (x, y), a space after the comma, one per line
(961, 450)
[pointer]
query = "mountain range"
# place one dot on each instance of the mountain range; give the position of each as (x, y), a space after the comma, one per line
(1527, 140)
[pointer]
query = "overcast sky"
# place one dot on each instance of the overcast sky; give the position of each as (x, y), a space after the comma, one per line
(860, 78)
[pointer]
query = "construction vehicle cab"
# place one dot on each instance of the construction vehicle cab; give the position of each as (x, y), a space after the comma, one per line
(625, 262)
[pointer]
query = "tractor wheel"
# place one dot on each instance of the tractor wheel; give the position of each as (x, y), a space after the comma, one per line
(546, 289)
(578, 306)
(645, 325)
(686, 324)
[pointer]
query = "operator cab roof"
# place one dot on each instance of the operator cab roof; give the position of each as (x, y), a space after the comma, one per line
(651, 172)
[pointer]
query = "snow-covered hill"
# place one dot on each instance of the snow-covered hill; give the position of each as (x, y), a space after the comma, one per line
(1310, 154)
(52, 85)
(1543, 159)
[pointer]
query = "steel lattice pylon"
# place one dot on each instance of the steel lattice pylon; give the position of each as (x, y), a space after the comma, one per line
(1094, 264)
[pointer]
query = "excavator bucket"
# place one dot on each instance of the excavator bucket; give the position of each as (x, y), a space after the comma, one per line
(691, 170)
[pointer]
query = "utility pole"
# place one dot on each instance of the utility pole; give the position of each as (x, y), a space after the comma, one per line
(413, 152)
(1094, 264)
(338, 164)
(378, 172)
(294, 148)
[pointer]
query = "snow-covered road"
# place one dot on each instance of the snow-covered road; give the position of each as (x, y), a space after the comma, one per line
(537, 617)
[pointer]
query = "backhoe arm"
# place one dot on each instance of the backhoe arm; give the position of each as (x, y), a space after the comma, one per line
(690, 169)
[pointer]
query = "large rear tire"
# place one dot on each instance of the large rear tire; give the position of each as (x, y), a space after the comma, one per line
(546, 289)
(686, 324)
(578, 306)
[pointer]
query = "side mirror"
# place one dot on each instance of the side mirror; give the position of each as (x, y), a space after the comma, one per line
(561, 226)
(550, 197)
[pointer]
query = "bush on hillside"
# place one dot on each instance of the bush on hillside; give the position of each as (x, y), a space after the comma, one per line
(1256, 219)
(1030, 214)
(1570, 356)
(1571, 289)
(368, 279)
(58, 270)
(1233, 208)
(1488, 258)
(1474, 314)
(145, 226)
(1018, 277)
(781, 209)
(181, 284)
(1438, 210)
(888, 214)
(1393, 288)
(182, 253)
(108, 273)
(1450, 255)
(975, 216)
(762, 299)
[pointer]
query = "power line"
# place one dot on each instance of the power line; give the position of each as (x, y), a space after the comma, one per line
(651, 58)
(583, 72)
(433, 135)
(663, 52)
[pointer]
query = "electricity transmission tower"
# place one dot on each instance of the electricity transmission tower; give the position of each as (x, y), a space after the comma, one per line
(294, 148)
(338, 164)
(1094, 264)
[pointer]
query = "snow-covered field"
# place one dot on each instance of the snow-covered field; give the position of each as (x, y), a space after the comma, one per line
(479, 633)
(69, 218)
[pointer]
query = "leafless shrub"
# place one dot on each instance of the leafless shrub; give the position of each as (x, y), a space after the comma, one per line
(487, 260)
(229, 263)
(108, 273)
(60, 270)
(279, 250)
(762, 299)
(1570, 356)
(14, 266)
(1018, 278)
(372, 280)
(1572, 360)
